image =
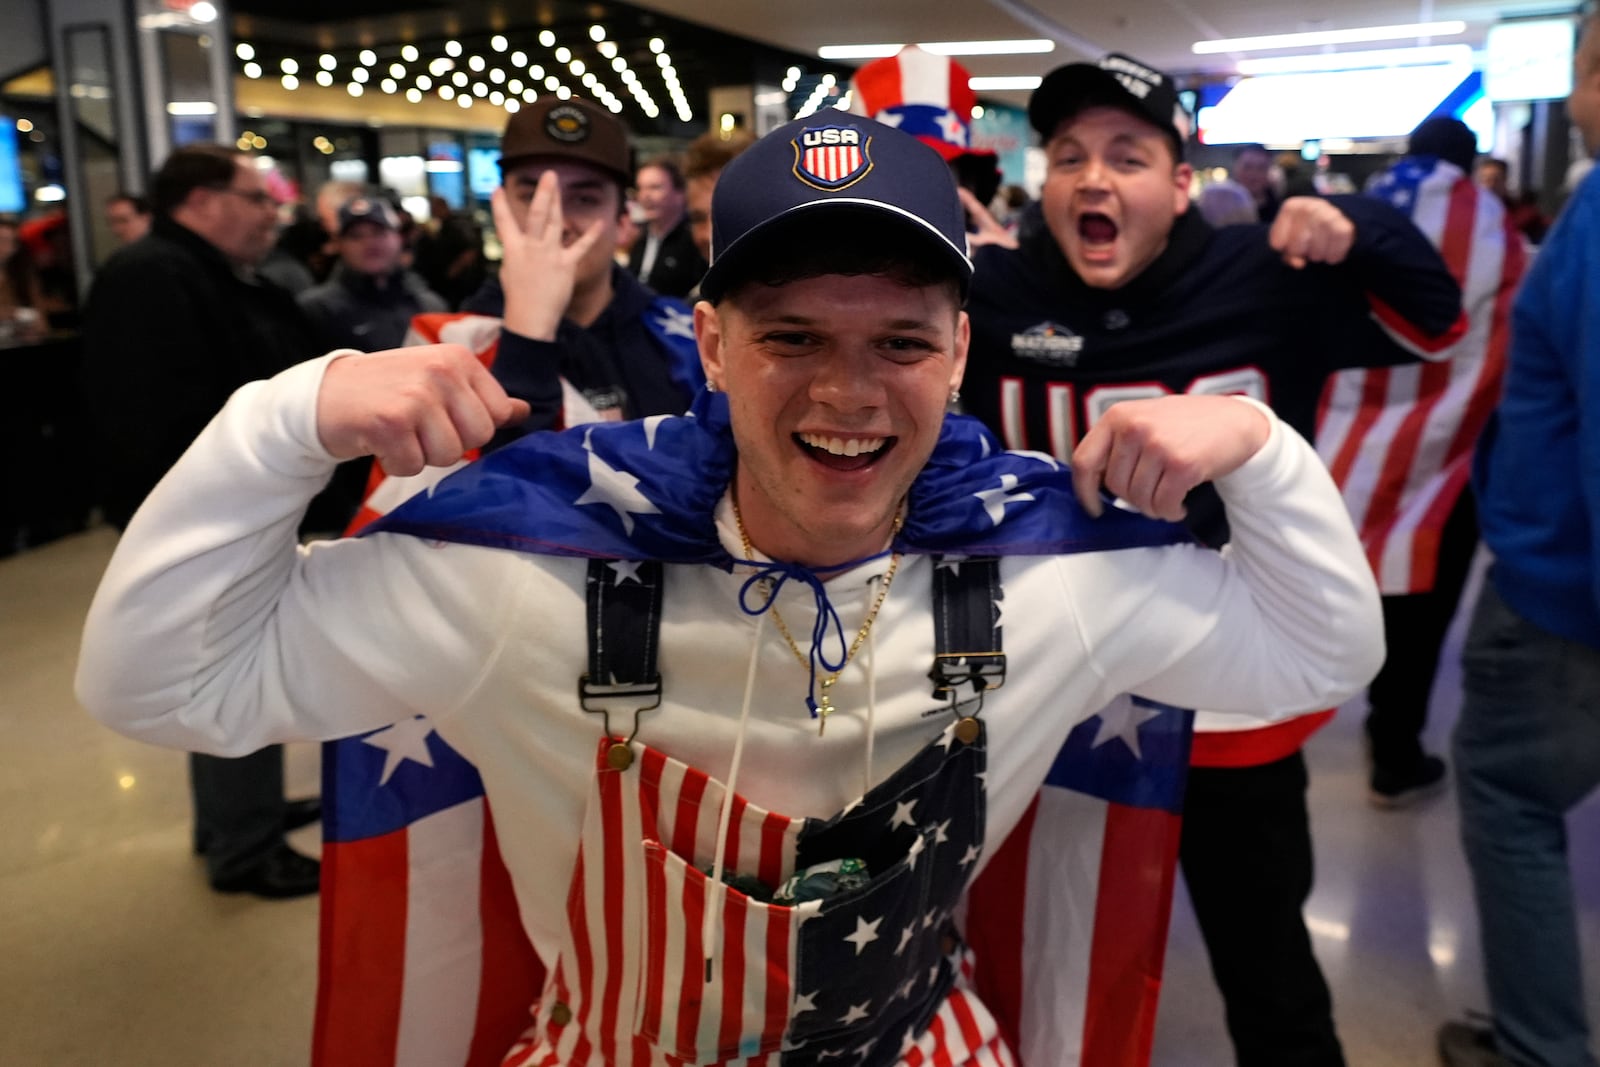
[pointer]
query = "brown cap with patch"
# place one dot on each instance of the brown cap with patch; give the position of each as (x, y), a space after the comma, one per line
(568, 129)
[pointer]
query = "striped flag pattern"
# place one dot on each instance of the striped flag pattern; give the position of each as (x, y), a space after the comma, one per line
(1399, 440)
(832, 164)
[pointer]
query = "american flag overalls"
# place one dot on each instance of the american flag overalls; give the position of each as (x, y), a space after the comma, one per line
(875, 976)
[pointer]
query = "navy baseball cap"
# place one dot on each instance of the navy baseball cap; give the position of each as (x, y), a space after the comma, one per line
(367, 209)
(1117, 81)
(826, 166)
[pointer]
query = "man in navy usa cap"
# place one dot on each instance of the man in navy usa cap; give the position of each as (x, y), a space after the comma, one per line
(741, 780)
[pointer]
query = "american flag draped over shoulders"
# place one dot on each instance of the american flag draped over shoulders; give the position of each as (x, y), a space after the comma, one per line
(424, 961)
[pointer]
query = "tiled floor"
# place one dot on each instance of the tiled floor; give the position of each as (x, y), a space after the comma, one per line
(113, 951)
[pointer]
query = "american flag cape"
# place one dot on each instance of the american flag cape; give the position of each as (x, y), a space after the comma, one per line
(423, 959)
(1398, 440)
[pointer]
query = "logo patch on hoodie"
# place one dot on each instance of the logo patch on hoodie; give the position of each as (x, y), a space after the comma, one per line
(1049, 343)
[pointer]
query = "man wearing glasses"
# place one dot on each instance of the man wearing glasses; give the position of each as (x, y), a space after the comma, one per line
(174, 324)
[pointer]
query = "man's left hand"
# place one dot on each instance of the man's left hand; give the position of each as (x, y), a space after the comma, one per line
(1150, 453)
(1309, 229)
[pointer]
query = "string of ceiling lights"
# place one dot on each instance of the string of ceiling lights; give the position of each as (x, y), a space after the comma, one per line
(488, 71)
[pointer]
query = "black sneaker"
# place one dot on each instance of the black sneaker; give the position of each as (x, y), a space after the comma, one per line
(1467, 1045)
(1399, 789)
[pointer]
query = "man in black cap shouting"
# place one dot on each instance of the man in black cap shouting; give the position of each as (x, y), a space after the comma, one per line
(1127, 294)
(569, 312)
(737, 820)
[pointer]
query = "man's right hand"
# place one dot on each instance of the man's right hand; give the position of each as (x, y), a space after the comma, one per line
(537, 267)
(411, 407)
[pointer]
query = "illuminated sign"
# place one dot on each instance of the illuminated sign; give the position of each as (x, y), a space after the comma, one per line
(1529, 60)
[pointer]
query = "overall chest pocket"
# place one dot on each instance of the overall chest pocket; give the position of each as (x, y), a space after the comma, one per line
(830, 964)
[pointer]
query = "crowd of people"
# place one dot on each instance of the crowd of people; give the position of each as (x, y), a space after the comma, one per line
(771, 426)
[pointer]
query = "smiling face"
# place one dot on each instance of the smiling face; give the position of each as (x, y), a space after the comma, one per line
(837, 387)
(1111, 194)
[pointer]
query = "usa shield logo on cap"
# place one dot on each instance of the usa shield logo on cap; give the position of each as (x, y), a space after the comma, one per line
(832, 157)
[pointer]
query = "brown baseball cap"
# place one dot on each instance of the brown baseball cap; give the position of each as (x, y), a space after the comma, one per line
(568, 129)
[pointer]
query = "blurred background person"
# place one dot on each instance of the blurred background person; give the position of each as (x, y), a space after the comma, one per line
(1399, 442)
(1252, 168)
(664, 257)
(21, 294)
(127, 217)
(703, 161)
(369, 298)
(448, 253)
(175, 323)
(1226, 203)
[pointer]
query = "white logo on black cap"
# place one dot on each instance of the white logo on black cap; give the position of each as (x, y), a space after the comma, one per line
(567, 124)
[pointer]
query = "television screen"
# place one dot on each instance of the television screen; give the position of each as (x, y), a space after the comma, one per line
(13, 197)
(483, 171)
(1529, 60)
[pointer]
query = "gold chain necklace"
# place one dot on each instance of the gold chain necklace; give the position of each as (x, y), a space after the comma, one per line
(825, 704)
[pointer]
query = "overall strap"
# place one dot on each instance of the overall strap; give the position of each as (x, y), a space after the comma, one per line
(624, 622)
(967, 646)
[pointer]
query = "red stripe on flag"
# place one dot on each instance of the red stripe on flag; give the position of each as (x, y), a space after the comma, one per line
(1374, 393)
(358, 1023)
(774, 831)
(1411, 334)
(692, 983)
(656, 950)
(731, 857)
(971, 1032)
(612, 874)
(512, 973)
(779, 992)
(734, 912)
(941, 1044)
(583, 949)
(1125, 967)
(996, 906)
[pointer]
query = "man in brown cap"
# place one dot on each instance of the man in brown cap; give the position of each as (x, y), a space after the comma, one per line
(568, 311)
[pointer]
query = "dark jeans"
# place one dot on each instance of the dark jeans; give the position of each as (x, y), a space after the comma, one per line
(1246, 855)
(1414, 627)
(238, 808)
(1527, 750)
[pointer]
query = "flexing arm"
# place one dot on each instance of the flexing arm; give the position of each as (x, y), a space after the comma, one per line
(1287, 618)
(213, 630)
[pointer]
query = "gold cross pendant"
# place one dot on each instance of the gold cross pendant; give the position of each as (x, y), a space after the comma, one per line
(825, 705)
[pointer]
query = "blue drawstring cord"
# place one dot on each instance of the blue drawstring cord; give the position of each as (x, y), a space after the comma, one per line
(769, 577)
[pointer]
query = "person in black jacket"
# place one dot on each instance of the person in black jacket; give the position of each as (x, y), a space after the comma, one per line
(369, 299)
(568, 310)
(665, 257)
(175, 323)
(1125, 293)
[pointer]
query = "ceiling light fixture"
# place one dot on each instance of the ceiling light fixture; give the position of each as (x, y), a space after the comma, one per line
(1321, 37)
(1026, 81)
(1031, 46)
(1364, 60)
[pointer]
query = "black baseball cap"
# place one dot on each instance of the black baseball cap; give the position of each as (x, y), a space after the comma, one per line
(568, 129)
(825, 168)
(367, 209)
(1117, 81)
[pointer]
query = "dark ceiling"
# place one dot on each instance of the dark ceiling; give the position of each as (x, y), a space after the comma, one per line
(304, 30)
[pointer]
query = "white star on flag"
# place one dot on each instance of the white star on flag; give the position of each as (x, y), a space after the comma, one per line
(914, 851)
(907, 988)
(971, 855)
(941, 833)
(866, 933)
(627, 570)
(951, 564)
(1043, 457)
(995, 500)
(616, 490)
(675, 323)
(856, 1013)
(652, 423)
(891, 118)
(953, 130)
(905, 938)
(902, 814)
(405, 740)
(1121, 721)
(999, 613)
(865, 1050)
(804, 1002)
